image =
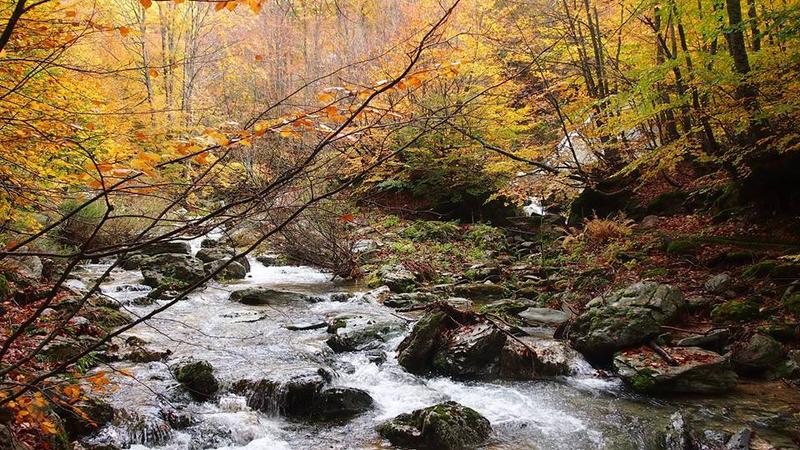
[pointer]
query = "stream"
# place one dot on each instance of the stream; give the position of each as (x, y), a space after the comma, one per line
(580, 411)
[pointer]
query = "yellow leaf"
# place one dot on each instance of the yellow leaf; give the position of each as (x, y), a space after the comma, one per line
(146, 3)
(289, 133)
(326, 97)
(231, 6)
(255, 5)
(178, 2)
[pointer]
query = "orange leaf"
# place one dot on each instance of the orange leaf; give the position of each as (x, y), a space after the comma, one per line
(220, 5)
(259, 57)
(153, 72)
(70, 13)
(146, 3)
(347, 218)
(326, 97)
(124, 31)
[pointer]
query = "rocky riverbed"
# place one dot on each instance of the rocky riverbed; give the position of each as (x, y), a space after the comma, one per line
(285, 358)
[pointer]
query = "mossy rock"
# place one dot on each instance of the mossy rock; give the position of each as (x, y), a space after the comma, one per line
(5, 289)
(198, 378)
(668, 203)
(683, 246)
(107, 318)
(446, 426)
(791, 303)
(735, 311)
(773, 269)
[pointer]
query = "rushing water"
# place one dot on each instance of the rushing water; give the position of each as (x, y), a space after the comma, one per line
(575, 412)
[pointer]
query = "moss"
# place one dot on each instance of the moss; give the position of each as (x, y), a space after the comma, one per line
(668, 203)
(5, 289)
(792, 303)
(683, 246)
(659, 272)
(760, 269)
(735, 311)
(643, 381)
(424, 230)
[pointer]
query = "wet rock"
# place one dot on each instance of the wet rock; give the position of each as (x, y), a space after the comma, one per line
(471, 350)
(544, 316)
(144, 354)
(444, 426)
(718, 283)
(95, 414)
(296, 396)
(715, 340)
(397, 278)
(198, 378)
(233, 271)
(267, 296)
(269, 260)
(171, 266)
(698, 371)
(459, 303)
(303, 326)
(132, 261)
(158, 248)
(360, 332)
(377, 357)
(529, 358)
(340, 402)
(678, 435)
(407, 299)
(416, 351)
(757, 354)
(625, 318)
(479, 291)
(106, 318)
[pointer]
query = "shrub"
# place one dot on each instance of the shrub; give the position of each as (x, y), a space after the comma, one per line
(486, 236)
(598, 231)
(77, 229)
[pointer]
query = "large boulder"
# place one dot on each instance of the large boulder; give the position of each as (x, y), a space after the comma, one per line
(444, 426)
(397, 277)
(208, 255)
(697, 371)
(470, 350)
(197, 377)
(303, 395)
(267, 296)
(416, 351)
(339, 402)
(166, 267)
(233, 271)
(362, 331)
(158, 248)
(528, 358)
(625, 318)
(758, 354)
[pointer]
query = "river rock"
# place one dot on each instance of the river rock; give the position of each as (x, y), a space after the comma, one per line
(625, 318)
(362, 331)
(157, 248)
(529, 358)
(132, 261)
(30, 267)
(479, 291)
(758, 354)
(184, 268)
(397, 278)
(269, 260)
(339, 402)
(545, 316)
(698, 371)
(470, 350)
(198, 378)
(303, 395)
(96, 413)
(233, 271)
(416, 351)
(407, 299)
(444, 426)
(267, 296)
(208, 255)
